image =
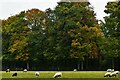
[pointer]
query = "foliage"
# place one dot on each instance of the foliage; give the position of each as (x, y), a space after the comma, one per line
(35, 19)
(15, 30)
(69, 32)
(111, 29)
(75, 29)
(19, 29)
(112, 22)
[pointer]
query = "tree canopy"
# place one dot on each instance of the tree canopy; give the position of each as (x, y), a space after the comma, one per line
(69, 34)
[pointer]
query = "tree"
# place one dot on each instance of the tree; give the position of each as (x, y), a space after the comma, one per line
(74, 30)
(35, 19)
(112, 22)
(111, 30)
(25, 34)
(15, 31)
(0, 43)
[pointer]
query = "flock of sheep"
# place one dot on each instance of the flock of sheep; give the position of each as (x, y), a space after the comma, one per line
(37, 74)
(109, 73)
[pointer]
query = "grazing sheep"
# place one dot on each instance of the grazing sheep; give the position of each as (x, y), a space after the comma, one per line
(75, 70)
(58, 74)
(116, 72)
(107, 74)
(25, 70)
(110, 70)
(8, 70)
(37, 74)
(14, 74)
(113, 74)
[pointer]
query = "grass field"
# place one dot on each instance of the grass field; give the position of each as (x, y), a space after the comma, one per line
(45, 75)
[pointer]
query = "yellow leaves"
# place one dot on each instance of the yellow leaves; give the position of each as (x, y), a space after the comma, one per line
(83, 41)
(24, 56)
(12, 50)
(91, 32)
(19, 48)
(78, 23)
(97, 31)
(71, 32)
(18, 44)
(75, 42)
(94, 51)
(34, 13)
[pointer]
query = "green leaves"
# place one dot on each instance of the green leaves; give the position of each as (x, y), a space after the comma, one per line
(109, 46)
(112, 22)
(24, 36)
(74, 30)
(15, 40)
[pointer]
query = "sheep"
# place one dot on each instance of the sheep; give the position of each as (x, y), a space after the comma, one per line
(58, 74)
(37, 74)
(107, 74)
(25, 70)
(8, 70)
(113, 74)
(116, 72)
(14, 74)
(75, 70)
(110, 70)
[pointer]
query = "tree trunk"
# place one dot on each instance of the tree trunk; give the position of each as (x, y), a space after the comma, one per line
(100, 60)
(86, 65)
(81, 65)
(78, 65)
(27, 66)
(113, 63)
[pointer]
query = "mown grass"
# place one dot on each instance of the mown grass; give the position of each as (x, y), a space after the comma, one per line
(60, 79)
(66, 75)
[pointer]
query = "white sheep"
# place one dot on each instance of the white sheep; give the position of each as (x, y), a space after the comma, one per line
(25, 70)
(37, 74)
(58, 74)
(113, 74)
(107, 74)
(8, 70)
(75, 70)
(108, 70)
(116, 72)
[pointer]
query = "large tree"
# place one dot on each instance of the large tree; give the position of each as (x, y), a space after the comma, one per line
(74, 30)
(14, 37)
(23, 36)
(35, 19)
(112, 21)
(111, 29)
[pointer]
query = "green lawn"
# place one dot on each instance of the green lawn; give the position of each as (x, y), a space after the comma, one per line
(45, 75)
